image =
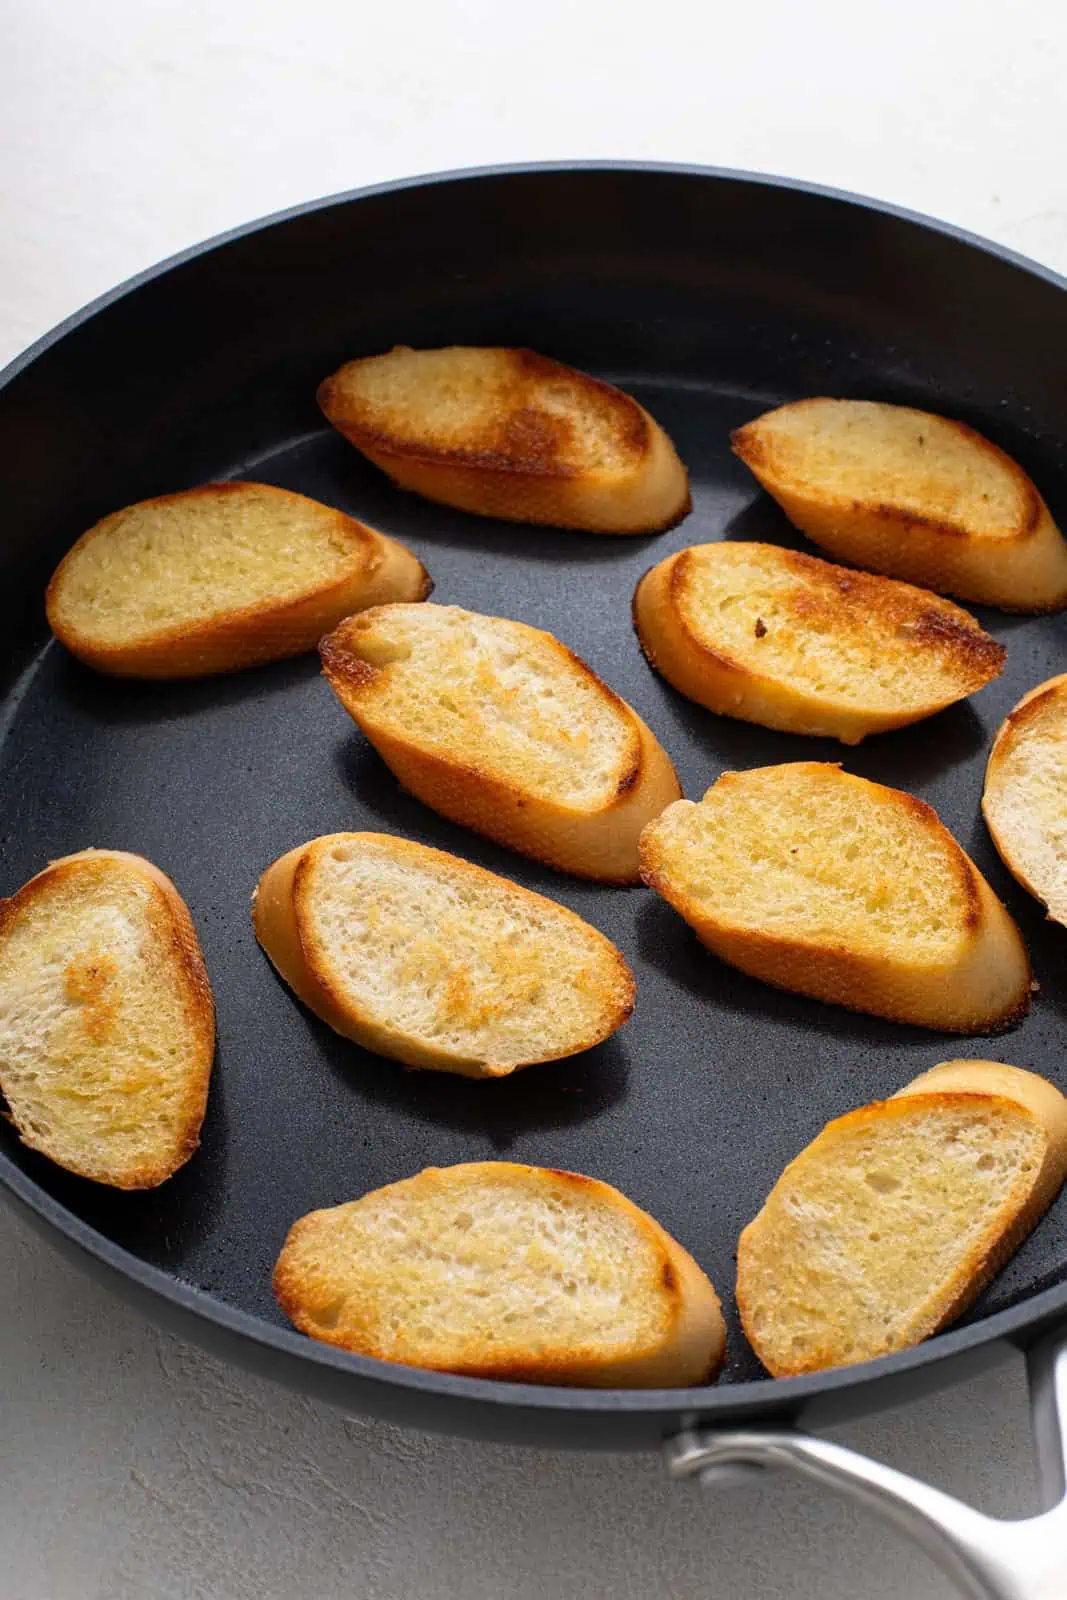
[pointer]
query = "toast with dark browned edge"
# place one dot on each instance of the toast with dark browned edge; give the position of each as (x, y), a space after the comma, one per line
(913, 495)
(510, 434)
(821, 882)
(1025, 796)
(786, 640)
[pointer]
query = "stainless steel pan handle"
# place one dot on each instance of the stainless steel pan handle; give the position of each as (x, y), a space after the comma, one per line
(988, 1558)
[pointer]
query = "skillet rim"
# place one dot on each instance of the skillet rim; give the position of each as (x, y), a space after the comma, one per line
(286, 1355)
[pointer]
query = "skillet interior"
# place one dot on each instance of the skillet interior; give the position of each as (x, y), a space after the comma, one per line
(709, 298)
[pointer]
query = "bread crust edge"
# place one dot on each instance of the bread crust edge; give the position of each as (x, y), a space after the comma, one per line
(175, 929)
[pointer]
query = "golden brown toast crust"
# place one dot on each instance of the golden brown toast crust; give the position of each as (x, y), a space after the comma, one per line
(600, 844)
(827, 598)
(1029, 708)
(759, 455)
(950, 1085)
(521, 438)
(1023, 568)
(1020, 719)
(691, 1352)
(169, 917)
(520, 464)
(856, 980)
(990, 1252)
(382, 570)
(280, 917)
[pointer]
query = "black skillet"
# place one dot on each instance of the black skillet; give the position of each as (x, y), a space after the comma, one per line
(710, 296)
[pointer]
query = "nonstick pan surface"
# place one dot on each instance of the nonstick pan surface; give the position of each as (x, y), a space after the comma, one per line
(710, 297)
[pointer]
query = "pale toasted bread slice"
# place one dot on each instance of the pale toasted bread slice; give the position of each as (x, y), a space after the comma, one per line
(511, 434)
(418, 955)
(818, 881)
(786, 640)
(891, 1222)
(498, 1270)
(1025, 797)
(221, 577)
(913, 495)
(107, 1025)
(501, 728)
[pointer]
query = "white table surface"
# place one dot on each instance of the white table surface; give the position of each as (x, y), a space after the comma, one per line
(131, 1465)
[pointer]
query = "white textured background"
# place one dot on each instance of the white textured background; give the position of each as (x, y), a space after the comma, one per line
(132, 1466)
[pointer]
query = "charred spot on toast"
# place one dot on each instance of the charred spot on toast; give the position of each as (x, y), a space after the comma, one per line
(629, 778)
(749, 446)
(89, 982)
(528, 428)
(827, 590)
(532, 440)
(341, 660)
(886, 511)
(970, 646)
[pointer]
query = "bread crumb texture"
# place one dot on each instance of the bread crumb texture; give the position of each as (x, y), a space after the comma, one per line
(489, 1268)
(869, 1237)
(812, 854)
(178, 561)
(106, 1030)
(924, 465)
(854, 638)
(429, 946)
(494, 696)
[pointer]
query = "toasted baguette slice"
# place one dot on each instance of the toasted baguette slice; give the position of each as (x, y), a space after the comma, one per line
(500, 727)
(218, 578)
(418, 955)
(896, 1216)
(107, 1025)
(792, 642)
(511, 434)
(913, 495)
(821, 882)
(504, 1271)
(1025, 797)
